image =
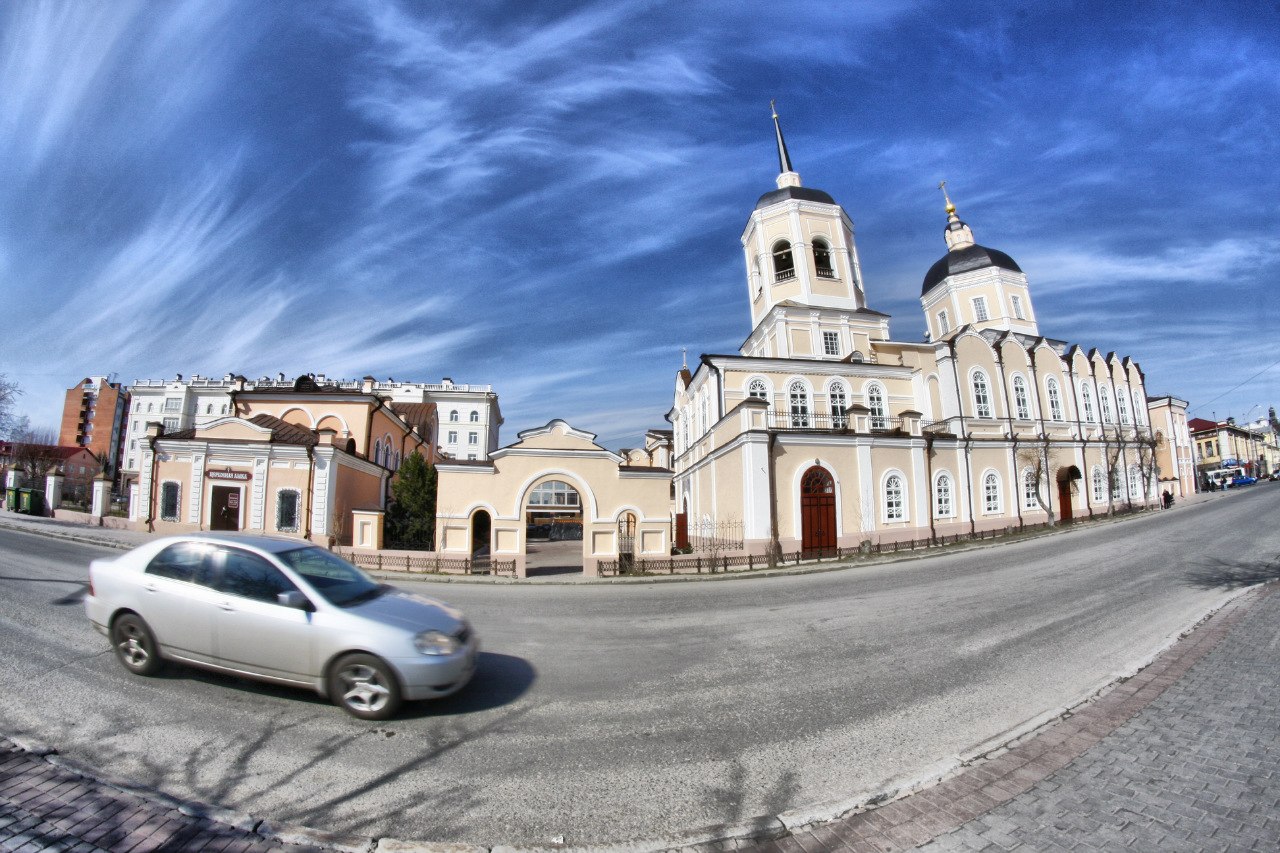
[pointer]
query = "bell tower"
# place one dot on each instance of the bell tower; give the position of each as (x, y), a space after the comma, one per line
(800, 256)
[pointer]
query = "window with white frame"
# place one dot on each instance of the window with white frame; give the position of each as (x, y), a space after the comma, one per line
(453, 416)
(471, 456)
(1138, 405)
(1117, 486)
(170, 495)
(1086, 402)
(1017, 307)
(1122, 403)
(784, 265)
(838, 398)
(1055, 399)
(554, 493)
(981, 395)
(875, 402)
(831, 343)
(799, 404)
(1030, 489)
(991, 492)
(475, 417)
(895, 505)
(1104, 403)
(822, 259)
(473, 438)
(170, 424)
(1021, 400)
(980, 308)
(453, 436)
(758, 389)
(173, 404)
(1135, 482)
(377, 452)
(288, 510)
(944, 324)
(944, 497)
(1099, 486)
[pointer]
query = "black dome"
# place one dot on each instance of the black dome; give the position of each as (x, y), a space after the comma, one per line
(798, 193)
(970, 258)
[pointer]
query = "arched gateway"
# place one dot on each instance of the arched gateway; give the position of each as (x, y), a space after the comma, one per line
(557, 491)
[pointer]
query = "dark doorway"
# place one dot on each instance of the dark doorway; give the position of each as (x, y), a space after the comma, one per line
(682, 527)
(224, 510)
(481, 525)
(817, 511)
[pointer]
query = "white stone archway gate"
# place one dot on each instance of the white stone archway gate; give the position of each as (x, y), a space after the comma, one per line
(501, 485)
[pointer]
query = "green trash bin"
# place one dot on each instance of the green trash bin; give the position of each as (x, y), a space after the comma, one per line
(30, 502)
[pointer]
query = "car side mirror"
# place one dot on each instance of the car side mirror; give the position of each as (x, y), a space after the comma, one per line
(295, 599)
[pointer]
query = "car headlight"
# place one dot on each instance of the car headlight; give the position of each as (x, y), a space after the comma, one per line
(435, 643)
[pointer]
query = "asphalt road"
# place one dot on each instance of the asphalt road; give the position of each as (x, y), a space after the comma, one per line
(605, 713)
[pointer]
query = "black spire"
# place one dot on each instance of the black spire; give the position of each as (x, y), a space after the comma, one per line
(784, 159)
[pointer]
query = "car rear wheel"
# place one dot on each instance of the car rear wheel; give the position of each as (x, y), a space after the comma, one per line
(134, 645)
(364, 687)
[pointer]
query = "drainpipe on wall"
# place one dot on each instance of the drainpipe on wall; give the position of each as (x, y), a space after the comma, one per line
(151, 497)
(968, 440)
(928, 463)
(311, 479)
(775, 546)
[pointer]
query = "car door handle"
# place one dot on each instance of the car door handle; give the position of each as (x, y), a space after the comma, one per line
(227, 606)
(149, 587)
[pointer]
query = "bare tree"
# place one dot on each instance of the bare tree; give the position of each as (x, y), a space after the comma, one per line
(35, 451)
(1115, 473)
(1149, 462)
(1042, 462)
(9, 393)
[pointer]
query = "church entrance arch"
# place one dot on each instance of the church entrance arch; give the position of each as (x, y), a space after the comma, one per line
(554, 542)
(817, 511)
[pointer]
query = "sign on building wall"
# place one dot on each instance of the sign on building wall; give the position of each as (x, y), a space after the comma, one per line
(235, 476)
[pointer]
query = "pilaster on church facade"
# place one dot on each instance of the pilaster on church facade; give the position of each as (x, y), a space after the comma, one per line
(854, 436)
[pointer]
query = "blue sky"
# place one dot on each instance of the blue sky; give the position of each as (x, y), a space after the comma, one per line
(548, 197)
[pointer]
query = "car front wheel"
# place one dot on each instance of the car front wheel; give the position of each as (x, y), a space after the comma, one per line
(364, 687)
(134, 645)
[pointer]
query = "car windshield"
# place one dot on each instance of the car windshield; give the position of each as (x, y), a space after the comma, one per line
(333, 577)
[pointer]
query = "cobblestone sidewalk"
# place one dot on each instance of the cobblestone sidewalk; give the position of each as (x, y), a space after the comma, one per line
(1180, 757)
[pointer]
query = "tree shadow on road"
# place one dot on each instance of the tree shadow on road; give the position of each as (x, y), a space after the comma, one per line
(1229, 574)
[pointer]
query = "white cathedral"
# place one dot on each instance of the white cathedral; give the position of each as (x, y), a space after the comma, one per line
(823, 432)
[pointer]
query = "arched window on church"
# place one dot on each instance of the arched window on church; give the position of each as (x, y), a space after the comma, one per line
(1021, 402)
(1122, 403)
(377, 452)
(895, 504)
(758, 389)
(981, 395)
(784, 264)
(991, 492)
(943, 497)
(1104, 402)
(1086, 401)
(1099, 486)
(838, 398)
(799, 404)
(453, 416)
(1055, 399)
(475, 417)
(875, 402)
(822, 258)
(1030, 489)
(1138, 404)
(1135, 483)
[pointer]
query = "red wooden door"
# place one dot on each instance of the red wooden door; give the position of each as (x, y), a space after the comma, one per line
(1064, 500)
(817, 511)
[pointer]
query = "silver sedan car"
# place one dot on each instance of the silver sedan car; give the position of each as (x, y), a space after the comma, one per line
(283, 611)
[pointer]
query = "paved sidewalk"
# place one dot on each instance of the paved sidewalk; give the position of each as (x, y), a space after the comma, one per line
(1183, 756)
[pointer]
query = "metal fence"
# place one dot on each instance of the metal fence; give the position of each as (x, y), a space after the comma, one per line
(700, 564)
(427, 563)
(715, 536)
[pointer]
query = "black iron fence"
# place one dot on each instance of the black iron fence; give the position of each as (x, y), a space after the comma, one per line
(716, 536)
(427, 563)
(710, 564)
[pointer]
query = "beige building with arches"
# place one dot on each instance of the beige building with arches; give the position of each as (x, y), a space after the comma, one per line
(553, 483)
(823, 432)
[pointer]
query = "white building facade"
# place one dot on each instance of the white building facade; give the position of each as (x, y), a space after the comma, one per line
(823, 432)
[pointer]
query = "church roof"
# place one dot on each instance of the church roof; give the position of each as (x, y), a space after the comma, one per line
(797, 193)
(972, 257)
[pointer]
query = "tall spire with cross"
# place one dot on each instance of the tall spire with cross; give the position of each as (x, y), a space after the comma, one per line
(787, 176)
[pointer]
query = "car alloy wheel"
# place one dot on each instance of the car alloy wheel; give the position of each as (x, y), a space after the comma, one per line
(134, 645)
(365, 687)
